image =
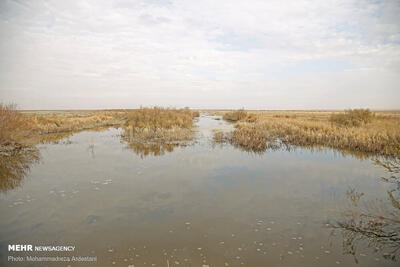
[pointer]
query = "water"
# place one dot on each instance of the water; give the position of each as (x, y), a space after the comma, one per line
(196, 205)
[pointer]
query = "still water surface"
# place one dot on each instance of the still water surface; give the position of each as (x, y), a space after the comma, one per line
(198, 205)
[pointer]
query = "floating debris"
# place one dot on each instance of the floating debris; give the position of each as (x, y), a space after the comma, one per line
(338, 262)
(222, 242)
(327, 251)
(269, 229)
(290, 253)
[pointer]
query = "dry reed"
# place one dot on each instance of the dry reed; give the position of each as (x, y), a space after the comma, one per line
(378, 135)
(157, 125)
(15, 129)
(76, 121)
(235, 115)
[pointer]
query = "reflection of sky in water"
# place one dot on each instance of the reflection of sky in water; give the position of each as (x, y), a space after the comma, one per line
(194, 197)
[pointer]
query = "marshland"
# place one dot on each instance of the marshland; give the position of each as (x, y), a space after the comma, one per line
(172, 187)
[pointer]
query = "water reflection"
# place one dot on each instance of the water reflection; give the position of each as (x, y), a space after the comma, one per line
(376, 222)
(145, 150)
(14, 167)
(56, 138)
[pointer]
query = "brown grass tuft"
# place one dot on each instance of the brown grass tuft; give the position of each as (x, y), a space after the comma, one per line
(219, 137)
(352, 117)
(235, 115)
(14, 127)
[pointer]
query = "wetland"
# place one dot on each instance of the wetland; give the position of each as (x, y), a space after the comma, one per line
(202, 203)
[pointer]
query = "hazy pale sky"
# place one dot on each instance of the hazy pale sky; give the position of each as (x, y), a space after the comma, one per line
(300, 54)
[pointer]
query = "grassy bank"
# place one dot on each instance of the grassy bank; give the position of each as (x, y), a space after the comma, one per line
(360, 130)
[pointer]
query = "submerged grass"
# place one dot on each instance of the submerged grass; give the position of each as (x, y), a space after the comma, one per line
(375, 134)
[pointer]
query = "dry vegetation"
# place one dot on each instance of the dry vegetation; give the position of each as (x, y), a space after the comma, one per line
(353, 130)
(59, 122)
(18, 129)
(155, 125)
(15, 130)
(352, 117)
(235, 115)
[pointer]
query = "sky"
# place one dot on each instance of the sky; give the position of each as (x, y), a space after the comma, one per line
(253, 54)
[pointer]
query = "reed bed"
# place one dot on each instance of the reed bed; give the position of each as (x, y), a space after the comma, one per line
(378, 135)
(76, 121)
(156, 125)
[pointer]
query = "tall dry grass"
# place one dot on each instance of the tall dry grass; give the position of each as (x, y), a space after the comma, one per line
(59, 122)
(15, 129)
(159, 125)
(235, 115)
(353, 117)
(378, 135)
